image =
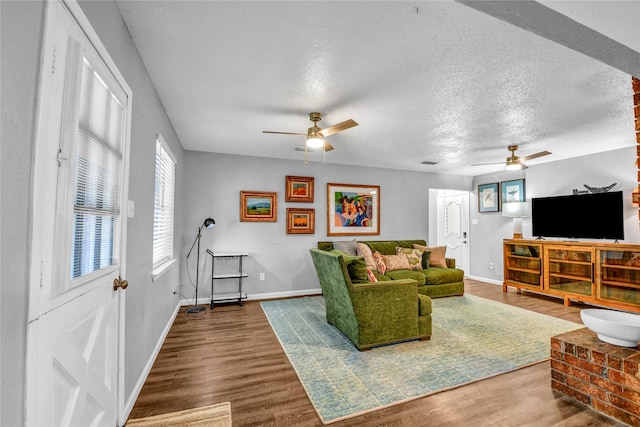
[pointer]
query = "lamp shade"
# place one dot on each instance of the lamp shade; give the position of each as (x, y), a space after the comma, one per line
(516, 209)
(209, 222)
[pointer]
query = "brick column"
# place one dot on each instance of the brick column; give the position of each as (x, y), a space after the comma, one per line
(636, 109)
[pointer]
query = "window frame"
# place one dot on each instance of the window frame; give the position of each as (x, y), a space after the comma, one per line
(161, 266)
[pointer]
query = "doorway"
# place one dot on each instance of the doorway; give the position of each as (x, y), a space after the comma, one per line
(449, 224)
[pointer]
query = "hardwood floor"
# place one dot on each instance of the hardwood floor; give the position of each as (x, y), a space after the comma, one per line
(231, 354)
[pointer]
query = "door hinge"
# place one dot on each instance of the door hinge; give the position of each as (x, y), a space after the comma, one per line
(53, 61)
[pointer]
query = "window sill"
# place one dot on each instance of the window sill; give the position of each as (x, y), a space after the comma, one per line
(159, 271)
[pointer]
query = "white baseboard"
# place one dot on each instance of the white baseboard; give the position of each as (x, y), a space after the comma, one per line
(270, 295)
(486, 279)
(147, 368)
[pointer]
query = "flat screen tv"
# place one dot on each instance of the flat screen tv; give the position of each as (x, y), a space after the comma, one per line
(583, 216)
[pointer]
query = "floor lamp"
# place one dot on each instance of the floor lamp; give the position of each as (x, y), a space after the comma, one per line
(208, 223)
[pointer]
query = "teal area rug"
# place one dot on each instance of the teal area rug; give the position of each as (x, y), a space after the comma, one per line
(473, 338)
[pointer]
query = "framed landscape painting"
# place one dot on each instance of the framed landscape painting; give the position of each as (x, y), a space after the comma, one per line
(353, 210)
(258, 206)
(488, 198)
(299, 189)
(301, 221)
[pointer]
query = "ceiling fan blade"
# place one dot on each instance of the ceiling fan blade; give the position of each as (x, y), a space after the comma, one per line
(535, 156)
(485, 164)
(327, 146)
(302, 148)
(338, 128)
(284, 133)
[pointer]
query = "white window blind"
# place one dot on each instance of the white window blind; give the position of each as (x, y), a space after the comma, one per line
(98, 163)
(163, 204)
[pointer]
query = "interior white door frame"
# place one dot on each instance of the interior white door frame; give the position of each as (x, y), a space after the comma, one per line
(435, 219)
(43, 201)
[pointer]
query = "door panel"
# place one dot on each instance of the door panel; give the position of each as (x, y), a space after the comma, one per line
(76, 319)
(453, 226)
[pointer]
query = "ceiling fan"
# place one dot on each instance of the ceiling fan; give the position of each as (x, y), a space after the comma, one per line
(514, 162)
(316, 136)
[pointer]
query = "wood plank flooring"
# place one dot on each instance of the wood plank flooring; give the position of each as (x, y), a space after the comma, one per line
(231, 354)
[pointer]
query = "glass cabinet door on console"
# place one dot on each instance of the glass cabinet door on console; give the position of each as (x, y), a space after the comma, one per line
(619, 276)
(569, 269)
(522, 267)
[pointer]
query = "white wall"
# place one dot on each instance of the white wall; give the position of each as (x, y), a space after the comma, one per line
(213, 185)
(550, 179)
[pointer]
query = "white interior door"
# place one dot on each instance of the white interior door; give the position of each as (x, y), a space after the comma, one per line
(453, 226)
(76, 312)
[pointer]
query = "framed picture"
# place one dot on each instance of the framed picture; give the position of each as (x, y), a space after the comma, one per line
(353, 210)
(258, 206)
(488, 198)
(513, 191)
(301, 221)
(299, 189)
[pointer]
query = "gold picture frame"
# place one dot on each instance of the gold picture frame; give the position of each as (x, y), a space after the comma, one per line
(301, 221)
(258, 206)
(299, 189)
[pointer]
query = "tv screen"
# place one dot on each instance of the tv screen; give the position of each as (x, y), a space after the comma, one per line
(584, 216)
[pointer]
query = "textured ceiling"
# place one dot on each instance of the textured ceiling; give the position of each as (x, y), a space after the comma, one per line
(426, 81)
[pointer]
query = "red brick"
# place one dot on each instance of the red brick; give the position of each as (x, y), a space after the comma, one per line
(558, 376)
(631, 366)
(586, 388)
(636, 110)
(569, 348)
(583, 353)
(625, 379)
(636, 99)
(555, 342)
(626, 405)
(597, 356)
(637, 124)
(584, 364)
(556, 355)
(616, 413)
(629, 394)
(635, 83)
(570, 370)
(614, 363)
(605, 384)
(571, 392)
(638, 137)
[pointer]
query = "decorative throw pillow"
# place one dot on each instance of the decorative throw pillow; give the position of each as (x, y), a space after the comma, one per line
(396, 262)
(438, 255)
(413, 255)
(349, 247)
(356, 267)
(380, 265)
(365, 251)
(372, 277)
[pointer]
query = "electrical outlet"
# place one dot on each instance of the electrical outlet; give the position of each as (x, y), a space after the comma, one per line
(490, 266)
(261, 276)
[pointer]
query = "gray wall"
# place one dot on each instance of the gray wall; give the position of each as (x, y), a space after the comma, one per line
(214, 182)
(20, 25)
(550, 179)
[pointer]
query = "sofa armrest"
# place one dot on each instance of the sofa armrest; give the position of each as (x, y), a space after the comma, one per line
(425, 305)
(451, 262)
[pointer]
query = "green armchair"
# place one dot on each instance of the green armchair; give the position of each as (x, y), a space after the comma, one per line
(371, 314)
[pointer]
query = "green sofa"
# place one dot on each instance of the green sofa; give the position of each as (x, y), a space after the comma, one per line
(433, 281)
(371, 314)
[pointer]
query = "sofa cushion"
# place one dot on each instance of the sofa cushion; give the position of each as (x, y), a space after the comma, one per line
(418, 276)
(384, 247)
(437, 257)
(356, 267)
(380, 265)
(350, 247)
(380, 277)
(397, 262)
(365, 251)
(372, 277)
(425, 305)
(439, 275)
(413, 255)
